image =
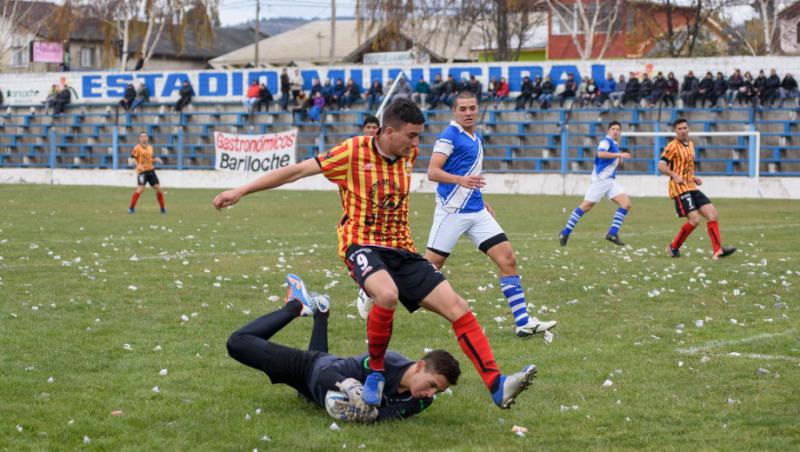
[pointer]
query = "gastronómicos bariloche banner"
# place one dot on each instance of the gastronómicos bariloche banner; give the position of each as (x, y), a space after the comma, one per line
(254, 153)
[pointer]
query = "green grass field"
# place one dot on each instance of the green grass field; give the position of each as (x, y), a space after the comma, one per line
(92, 301)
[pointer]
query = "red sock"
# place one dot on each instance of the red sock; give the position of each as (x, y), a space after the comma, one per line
(683, 235)
(713, 232)
(475, 345)
(160, 197)
(134, 198)
(379, 332)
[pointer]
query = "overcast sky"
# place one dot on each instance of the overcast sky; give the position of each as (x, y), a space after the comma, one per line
(233, 12)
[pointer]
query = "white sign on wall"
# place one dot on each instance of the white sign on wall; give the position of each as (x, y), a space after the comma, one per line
(254, 153)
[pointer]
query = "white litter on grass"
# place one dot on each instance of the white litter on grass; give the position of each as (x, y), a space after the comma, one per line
(761, 371)
(608, 384)
(732, 401)
(156, 390)
(247, 417)
(184, 317)
(734, 321)
(680, 363)
(548, 336)
(519, 430)
(87, 440)
(163, 372)
(704, 359)
(273, 298)
(19, 428)
(734, 354)
(132, 287)
(266, 439)
(335, 427)
(157, 348)
(699, 323)
(51, 379)
(127, 347)
(499, 319)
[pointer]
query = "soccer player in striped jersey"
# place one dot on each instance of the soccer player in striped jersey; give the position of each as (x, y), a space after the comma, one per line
(604, 183)
(456, 164)
(145, 172)
(375, 242)
(677, 162)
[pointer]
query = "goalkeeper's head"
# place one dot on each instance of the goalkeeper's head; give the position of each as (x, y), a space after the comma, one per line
(435, 372)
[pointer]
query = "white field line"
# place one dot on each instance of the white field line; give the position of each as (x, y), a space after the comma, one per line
(708, 346)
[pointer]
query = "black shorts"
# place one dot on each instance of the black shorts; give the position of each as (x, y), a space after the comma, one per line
(689, 201)
(414, 276)
(147, 177)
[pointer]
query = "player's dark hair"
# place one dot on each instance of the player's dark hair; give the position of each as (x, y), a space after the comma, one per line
(678, 122)
(401, 112)
(614, 123)
(464, 95)
(369, 119)
(443, 363)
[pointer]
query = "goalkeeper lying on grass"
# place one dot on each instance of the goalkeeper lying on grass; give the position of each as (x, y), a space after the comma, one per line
(333, 382)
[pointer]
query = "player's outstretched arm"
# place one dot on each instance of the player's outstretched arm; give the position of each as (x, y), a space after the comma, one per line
(663, 168)
(436, 173)
(272, 179)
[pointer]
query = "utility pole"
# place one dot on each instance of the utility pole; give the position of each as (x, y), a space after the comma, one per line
(333, 31)
(257, 33)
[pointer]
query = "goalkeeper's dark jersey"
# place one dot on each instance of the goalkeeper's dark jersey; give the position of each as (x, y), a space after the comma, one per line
(329, 369)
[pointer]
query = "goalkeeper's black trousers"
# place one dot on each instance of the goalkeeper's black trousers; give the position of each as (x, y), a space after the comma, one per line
(250, 346)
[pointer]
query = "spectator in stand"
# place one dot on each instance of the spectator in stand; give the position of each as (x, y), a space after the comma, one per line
(537, 89)
(788, 90)
(632, 90)
(671, 91)
(619, 92)
(62, 100)
(421, 92)
(338, 93)
(546, 98)
(251, 97)
(689, 90)
(286, 87)
(745, 93)
(450, 91)
(491, 92)
(705, 90)
(142, 96)
(772, 92)
(1, 97)
(570, 90)
(186, 94)
(352, 93)
(588, 92)
(296, 80)
(374, 95)
(300, 112)
(525, 94)
(659, 89)
(51, 97)
(502, 92)
(315, 86)
(475, 87)
(646, 89)
(402, 90)
(719, 89)
(317, 104)
(127, 98)
(327, 92)
(606, 87)
(760, 87)
(265, 97)
(437, 90)
(733, 86)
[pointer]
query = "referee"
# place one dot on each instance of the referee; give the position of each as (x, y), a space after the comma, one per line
(145, 172)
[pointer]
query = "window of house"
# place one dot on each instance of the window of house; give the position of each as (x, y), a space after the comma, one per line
(87, 56)
(19, 57)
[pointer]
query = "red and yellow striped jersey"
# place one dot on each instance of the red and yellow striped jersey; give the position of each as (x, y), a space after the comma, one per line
(144, 158)
(680, 158)
(374, 192)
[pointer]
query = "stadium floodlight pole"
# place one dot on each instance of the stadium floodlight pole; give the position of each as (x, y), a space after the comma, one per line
(333, 32)
(387, 96)
(257, 32)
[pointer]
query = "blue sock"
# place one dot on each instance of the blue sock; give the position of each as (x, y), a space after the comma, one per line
(619, 217)
(573, 220)
(512, 289)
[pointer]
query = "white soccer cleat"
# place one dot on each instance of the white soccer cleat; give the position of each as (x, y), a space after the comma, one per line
(534, 326)
(512, 385)
(364, 304)
(321, 302)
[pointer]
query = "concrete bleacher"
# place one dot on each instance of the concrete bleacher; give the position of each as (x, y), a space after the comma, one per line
(555, 140)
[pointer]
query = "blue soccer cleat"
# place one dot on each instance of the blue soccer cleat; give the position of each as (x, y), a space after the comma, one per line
(373, 389)
(512, 385)
(131, 210)
(163, 210)
(297, 291)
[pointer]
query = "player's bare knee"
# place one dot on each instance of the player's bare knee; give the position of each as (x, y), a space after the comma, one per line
(586, 206)
(385, 297)
(508, 263)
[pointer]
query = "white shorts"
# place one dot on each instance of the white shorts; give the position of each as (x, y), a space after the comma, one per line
(480, 227)
(603, 187)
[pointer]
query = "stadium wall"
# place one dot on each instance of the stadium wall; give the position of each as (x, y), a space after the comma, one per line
(497, 183)
(218, 85)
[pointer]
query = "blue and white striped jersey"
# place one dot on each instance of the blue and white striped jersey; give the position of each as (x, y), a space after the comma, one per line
(464, 158)
(606, 168)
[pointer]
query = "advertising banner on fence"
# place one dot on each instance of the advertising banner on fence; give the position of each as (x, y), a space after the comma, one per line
(47, 52)
(255, 153)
